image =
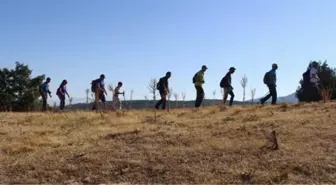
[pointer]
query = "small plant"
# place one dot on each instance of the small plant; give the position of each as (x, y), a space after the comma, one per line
(213, 110)
(222, 107)
(250, 118)
(283, 107)
(326, 94)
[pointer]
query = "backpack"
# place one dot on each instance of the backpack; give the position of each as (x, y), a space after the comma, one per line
(194, 78)
(267, 77)
(222, 82)
(94, 84)
(158, 85)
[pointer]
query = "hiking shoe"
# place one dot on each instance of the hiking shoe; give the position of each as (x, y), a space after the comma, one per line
(262, 103)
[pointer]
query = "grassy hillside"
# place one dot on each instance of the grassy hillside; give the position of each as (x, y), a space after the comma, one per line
(143, 104)
(210, 146)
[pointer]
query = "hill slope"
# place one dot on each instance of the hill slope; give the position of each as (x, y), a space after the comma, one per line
(182, 146)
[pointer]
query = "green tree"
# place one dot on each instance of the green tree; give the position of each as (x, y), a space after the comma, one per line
(327, 76)
(18, 90)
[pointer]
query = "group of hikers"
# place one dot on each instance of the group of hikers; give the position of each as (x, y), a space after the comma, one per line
(225, 83)
(97, 87)
(310, 79)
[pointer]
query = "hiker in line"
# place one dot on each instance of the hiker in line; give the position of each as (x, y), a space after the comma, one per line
(314, 82)
(314, 79)
(227, 86)
(163, 88)
(270, 81)
(98, 87)
(44, 91)
(61, 92)
(198, 80)
(116, 99)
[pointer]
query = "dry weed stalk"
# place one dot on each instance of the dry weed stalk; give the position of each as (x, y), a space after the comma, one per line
(326, 94)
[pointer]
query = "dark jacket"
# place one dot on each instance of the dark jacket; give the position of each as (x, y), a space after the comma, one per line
(227, 80)
(163, 84)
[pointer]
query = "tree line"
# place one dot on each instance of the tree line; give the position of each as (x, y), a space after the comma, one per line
(19, 91)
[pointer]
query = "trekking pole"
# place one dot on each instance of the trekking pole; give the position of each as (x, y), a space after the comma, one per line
(122, 106)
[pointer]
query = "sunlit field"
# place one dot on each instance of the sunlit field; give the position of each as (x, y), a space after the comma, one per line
(210, 146)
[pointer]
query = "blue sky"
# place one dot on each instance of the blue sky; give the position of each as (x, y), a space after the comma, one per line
(136, 40)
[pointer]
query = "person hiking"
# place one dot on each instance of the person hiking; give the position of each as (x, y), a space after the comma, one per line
(314, 81)
(227, 86)
(270, 81)
(98, 87)
(44, 91)
(61, 92)
(198, 81)
(116, 93)
(163, 88)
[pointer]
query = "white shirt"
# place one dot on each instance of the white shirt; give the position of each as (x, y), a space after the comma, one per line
(313, 75)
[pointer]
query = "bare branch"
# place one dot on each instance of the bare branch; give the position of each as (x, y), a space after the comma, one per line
(170, 93)
(152, 87)
(176, 96)
(243, 83)
(253, 91)
(183, 98)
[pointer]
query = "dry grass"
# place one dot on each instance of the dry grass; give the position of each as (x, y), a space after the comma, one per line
(210, 146)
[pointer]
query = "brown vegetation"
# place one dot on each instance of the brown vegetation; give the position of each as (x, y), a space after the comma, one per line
(252, 144)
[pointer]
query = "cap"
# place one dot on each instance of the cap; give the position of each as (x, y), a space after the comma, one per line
(204, 67)
(232, 69)
(102, 76)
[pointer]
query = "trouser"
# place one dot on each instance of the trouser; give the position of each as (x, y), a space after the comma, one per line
(62, 101)
(163, 100)
(116, 103)
(228, 91)
(199, 96)
(102, 98)
(272, 93)
(44, 102)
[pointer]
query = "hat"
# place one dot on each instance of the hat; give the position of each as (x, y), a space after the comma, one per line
(232, 69)
(204, 67)
(102, 76)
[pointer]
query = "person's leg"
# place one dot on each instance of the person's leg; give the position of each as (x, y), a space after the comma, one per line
(61, 101)
(103, 99)
(159, 102)
(226, 92)
(264, 99)
(231, 97)
(94, 105)
(164, 100)
(44, 102)
(197, 97)
(118, 102)
(274, 94)
(200, 96)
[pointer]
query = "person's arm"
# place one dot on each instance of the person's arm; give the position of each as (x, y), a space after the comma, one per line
(49, 92)
(66, 92)
(166, 86)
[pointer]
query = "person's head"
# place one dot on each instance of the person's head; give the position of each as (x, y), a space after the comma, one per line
(48, 80)
(168, 74)
(314, 64)
(64, 82)
(120, 84)
(275, 66)
(232, 70)
(204, 68)
(102, 77)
